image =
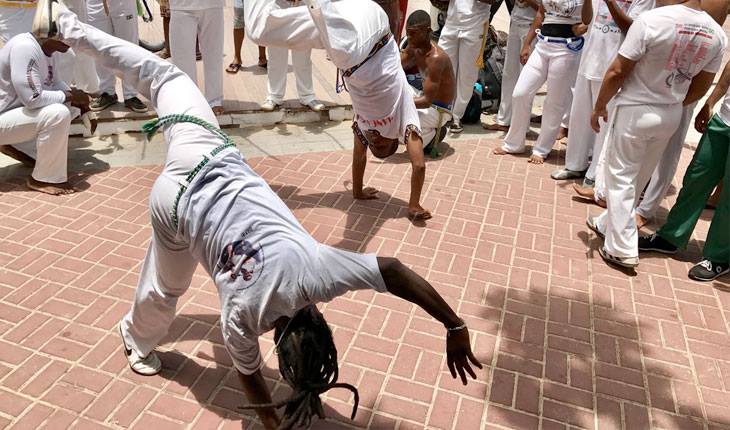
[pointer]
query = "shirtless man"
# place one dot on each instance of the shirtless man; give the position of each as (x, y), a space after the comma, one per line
(433, 100)
(357, 38)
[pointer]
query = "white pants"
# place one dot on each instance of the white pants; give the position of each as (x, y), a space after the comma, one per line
(168, 268)
(78, 69)
(558, 65)
(431, 118)
(583, 142)
(122, 23)
(518, 30)
(638, 136)
(463, 47)
(15, 20)
(663, 175)
(277, 70)
(49, 126)
(207, 25)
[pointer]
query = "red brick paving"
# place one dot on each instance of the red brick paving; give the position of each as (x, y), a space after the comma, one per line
(567, 342)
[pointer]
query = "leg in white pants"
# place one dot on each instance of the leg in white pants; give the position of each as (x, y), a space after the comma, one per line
(638, 137)
(463, 48)
(277, 71)
(554, 63)
(49, 126)
(122, 23)
(430, 120)
(169, 266)
(583, 141)
(663, 175)
(512, 68)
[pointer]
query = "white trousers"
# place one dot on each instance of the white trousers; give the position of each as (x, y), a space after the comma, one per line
(277, 71)
(207, 25)
(76, 69)
(638, 136)
(663, 175)
(431, 119)
(583, 142)
(15, 20)
(122, 23)
(463, 48)
(518, 30)
(558, 65)
(49, 127)
(168, 267)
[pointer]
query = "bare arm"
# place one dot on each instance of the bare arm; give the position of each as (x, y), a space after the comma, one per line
(431, 83)
(257, 392)
(586, 12)
(408, 285)
(527, 46)
(698, 87)
(533, 4)
(705, 114)
(622, 20)
(615, 76)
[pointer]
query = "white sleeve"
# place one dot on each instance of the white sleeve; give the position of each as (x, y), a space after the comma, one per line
(341, 271)
(634, 46)
(26, 79)
(243, 347)
(638, 7)
(267, 24)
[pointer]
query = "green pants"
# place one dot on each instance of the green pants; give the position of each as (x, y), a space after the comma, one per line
(710, 163)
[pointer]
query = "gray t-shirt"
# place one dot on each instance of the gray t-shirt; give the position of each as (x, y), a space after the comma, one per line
(264, 264)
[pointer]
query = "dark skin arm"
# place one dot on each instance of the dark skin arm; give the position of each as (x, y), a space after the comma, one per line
(257, 392)
(533, 4)
(586, 12)
(408, 285)
(705, 114)
(431, 82)
(615, 76)
(359, 161)
(536, 23)
(619, 16)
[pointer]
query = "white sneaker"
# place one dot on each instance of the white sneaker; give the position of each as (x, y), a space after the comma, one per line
(591, 223)
(269, 106)
(628, 262)
(146, 366)
(316, 105)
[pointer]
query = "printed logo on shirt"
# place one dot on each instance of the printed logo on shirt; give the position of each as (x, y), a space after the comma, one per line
(243, 261)
(604, 20)
(561, 8)
(374, 123)
(690, 52)
(29, 77)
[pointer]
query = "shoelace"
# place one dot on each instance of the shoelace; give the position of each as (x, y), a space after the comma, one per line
(707, 264)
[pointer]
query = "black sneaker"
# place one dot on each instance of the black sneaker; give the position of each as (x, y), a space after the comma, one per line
(102, 102)
(706, 270)
(135, 104)
(656, 243)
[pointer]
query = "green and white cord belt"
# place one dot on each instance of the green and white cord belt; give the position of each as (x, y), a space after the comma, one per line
(151, 127)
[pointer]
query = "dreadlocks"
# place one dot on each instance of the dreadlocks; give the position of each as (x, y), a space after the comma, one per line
(308, 363)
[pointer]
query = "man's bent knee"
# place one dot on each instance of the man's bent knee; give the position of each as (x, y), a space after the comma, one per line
(54, 115)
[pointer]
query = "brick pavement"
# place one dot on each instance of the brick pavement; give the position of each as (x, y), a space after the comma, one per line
(567, 342)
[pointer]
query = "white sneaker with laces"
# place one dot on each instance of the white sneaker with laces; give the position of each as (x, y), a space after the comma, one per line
(146, 366)
(269, 106)
(316, 105)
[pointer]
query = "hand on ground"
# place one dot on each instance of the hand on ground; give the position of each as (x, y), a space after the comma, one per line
(459, 354)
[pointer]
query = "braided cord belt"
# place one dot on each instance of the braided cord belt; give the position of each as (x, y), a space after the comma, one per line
(151, 127)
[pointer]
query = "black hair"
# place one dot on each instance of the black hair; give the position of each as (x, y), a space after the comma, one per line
(419, 18)
(308, 363)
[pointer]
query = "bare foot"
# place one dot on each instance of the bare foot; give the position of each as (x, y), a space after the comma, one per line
(63, 188)
(562, 134)
(536, 159)
(13, 153)
(218, 110)
(368, 193)
(496, 127)
(499, 151)
(641, 221)
(418, 214)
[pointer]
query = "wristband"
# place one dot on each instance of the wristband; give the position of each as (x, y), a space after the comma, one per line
(457, 328)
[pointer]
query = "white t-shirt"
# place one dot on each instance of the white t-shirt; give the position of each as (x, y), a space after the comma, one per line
(26, 75)
(562, 11)
(467, 14)
(381, 97)
(263, 263)
(522, 12)
(605, 36)
(724, 112)
(671, 45)
(195, 4)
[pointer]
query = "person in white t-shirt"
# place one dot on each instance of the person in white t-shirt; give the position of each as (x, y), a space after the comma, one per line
(16, 16)
(608, 26)
(209, 207)
(35, 105)
(356, 35)
(463, 37)
(118, 18)
(202, 19)
(521, 17)
(668, 59)
(555, 59)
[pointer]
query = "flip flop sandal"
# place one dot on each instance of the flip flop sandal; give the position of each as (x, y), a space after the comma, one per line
(234, 68)
(419, 216)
